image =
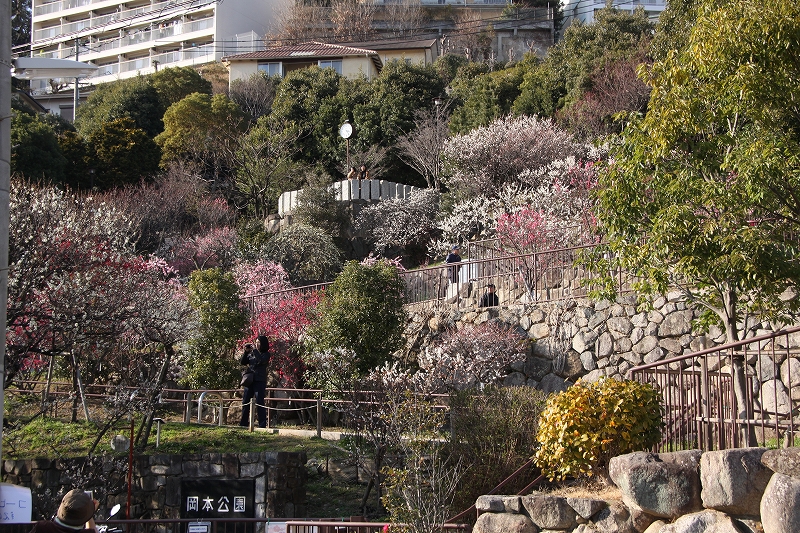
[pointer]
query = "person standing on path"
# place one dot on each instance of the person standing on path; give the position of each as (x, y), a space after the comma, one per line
(453, 257)
(256, 359)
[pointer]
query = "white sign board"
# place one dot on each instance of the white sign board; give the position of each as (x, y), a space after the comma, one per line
(279, 527)
(199, 527)
(15, 504)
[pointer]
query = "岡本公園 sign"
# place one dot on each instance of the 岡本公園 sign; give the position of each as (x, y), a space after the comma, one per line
(217, 498)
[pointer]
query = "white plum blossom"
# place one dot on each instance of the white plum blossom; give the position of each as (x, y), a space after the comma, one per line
(398, 222)
(488, 157)
(473, 356)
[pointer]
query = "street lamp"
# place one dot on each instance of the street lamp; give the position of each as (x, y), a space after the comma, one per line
(346, 131)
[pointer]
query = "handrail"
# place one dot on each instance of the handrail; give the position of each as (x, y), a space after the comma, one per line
(737, 394)
(463, 514)
(431, 283)
(708, 351)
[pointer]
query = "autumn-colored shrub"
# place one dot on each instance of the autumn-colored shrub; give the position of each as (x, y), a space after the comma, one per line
(589, 423)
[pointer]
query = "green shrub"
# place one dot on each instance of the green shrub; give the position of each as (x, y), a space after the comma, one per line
(583, 427)
(493, 434)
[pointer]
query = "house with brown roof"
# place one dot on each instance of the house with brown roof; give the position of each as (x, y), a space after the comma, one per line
(348, 59)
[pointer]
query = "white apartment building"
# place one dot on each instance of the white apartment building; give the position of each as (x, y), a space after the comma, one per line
(128, 37)
(584, 10)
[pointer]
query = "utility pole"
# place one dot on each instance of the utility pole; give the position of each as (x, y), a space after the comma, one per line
(76, 96)
(5, 174)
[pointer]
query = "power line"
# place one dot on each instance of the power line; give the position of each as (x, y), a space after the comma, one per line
(430, 30)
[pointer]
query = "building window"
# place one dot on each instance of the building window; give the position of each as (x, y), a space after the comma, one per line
(335, 65)
(271, 69)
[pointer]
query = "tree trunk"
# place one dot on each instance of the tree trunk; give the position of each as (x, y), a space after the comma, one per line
(743, 408)
(147, 421)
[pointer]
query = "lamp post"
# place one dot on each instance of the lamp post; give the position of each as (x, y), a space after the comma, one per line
(346, 130)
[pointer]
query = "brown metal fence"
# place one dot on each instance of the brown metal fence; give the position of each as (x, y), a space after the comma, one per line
(551, 275)
(236, 525)
(701, 408)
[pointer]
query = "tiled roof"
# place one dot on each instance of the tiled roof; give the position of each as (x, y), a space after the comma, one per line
(310, 49)
(393, 44)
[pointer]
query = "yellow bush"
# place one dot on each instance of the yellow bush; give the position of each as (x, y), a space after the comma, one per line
(589, 423)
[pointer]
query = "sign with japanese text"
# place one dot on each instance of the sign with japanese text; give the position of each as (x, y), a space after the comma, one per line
(15, 504)
(217, 498)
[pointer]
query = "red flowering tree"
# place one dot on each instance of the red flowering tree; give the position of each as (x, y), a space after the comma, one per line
(215, 248)
(276, 312)
(539, 234)
(81, 300)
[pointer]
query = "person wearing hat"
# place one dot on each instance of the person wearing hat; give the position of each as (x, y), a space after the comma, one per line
(453, 257)
(489, 298)
(76, 513)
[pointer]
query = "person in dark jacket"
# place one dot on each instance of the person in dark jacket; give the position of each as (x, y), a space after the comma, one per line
(75, 514)
(489, 298)
(453, 257)
(256, 359)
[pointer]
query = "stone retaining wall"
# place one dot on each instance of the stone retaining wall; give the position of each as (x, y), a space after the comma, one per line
(748, 490)
(279, 480)
(579, 338)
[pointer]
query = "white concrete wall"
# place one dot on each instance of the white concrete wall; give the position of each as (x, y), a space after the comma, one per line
(353, 190)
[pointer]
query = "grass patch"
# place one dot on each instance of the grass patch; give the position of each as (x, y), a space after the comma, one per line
(44, 437)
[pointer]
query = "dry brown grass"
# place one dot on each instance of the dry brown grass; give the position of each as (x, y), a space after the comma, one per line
(596, 488)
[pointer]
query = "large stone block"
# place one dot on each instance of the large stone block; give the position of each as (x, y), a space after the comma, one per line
(552, 383)
(584, 340)
(734, 480)
(675, 324)
(707, 521)
(786, 462)
(550, 512)
(619, 326)
(504, 523)
(646, 345)
(775, 398)
(616, 518)
(498, 504)
(666, 485)
(537, 367)
(587, 507)
(780, 506)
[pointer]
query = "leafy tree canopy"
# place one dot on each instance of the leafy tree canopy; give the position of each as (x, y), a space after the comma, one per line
(305, 99)
(123, 154)
(487, 97)
(133, 98)
(203, 129)
(214, 294)
(307, 253)
(710, 174)
(362, 311)
(565, 72)
(175, 84)
(35, 153)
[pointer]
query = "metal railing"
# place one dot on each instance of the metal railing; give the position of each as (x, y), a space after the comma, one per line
(547, 276)
(239, 525)
(701, 407)
(212, 407)
(313, 526)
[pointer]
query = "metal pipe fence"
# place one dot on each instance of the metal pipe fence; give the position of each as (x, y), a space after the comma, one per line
(702, 409)
(220, 407)
(238, 525)
(547, 276)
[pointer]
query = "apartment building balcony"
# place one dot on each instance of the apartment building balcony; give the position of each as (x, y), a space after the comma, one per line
(59, 27)
(195, 55)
